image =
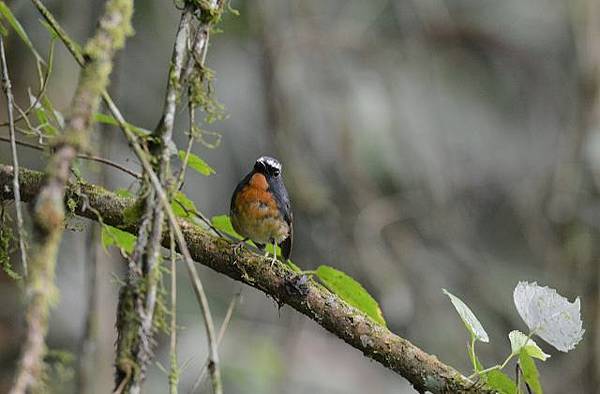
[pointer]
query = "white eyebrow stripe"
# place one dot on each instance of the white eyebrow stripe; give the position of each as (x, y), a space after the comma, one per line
(270, 162)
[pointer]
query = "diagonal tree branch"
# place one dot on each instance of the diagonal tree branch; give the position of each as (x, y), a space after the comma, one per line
(48, 209)
(424, 371)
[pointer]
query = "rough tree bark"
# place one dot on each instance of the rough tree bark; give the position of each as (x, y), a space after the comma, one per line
(424, 371)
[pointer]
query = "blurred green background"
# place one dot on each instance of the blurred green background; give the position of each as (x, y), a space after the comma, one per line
(426, 144)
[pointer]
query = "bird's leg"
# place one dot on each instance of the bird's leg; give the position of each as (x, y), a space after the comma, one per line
(274, 253)
(238, 245)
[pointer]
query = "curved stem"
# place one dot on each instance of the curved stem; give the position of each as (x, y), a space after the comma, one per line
(79, 156)
(472, 353)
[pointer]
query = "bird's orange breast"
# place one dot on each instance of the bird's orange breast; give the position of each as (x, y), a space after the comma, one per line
(254, 200)
(258, 181)
(256, 214)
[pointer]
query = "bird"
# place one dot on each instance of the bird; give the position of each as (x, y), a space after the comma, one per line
(260, 208)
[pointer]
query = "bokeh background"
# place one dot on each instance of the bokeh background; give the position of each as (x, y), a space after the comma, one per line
(426, 144)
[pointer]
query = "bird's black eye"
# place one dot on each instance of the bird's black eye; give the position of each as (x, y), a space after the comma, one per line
(276, 172)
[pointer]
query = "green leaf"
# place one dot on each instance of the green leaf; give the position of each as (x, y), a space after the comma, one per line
(43, 119)
(530, 372)
(121, 239)
(223, 224)
(183, 206)
(350, 291)
(293, 266)
(499, 381)
(468, 317)
(519, 341)
(16, 25)
(107, 119)
(57, 116)
(196, 163)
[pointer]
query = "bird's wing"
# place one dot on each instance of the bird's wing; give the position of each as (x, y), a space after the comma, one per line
(279, 191)
(286, 245)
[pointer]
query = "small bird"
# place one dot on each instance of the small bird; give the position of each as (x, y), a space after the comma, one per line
(260, 208)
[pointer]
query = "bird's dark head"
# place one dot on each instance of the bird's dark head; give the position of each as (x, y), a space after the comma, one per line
(268, 166)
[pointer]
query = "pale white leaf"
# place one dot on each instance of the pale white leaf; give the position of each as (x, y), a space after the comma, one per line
(518, 341)
(468, 318)
(549, 315)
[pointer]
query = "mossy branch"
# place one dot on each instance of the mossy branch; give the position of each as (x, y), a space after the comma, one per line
(48, 211)
(424, 371)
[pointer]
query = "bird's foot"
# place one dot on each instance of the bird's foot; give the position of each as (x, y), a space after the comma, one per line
(238, 246)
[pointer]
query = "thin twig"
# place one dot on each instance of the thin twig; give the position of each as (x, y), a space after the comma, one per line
(79, 156)
(181, 175)
(222, 330)
(71, 45)
(7, 87)
(174, 368)
(30, 127)
(88, 341)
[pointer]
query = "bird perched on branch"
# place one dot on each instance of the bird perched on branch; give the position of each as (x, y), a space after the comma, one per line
(260, 208)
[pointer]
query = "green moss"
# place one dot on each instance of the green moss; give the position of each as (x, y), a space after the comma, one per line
(134, 292)
(133, 213)
(71, 204)
(58, 370)
(6, 237)
(161, 310)
(208, 14)
(202, 94)
(127, 324)
(114, 32)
